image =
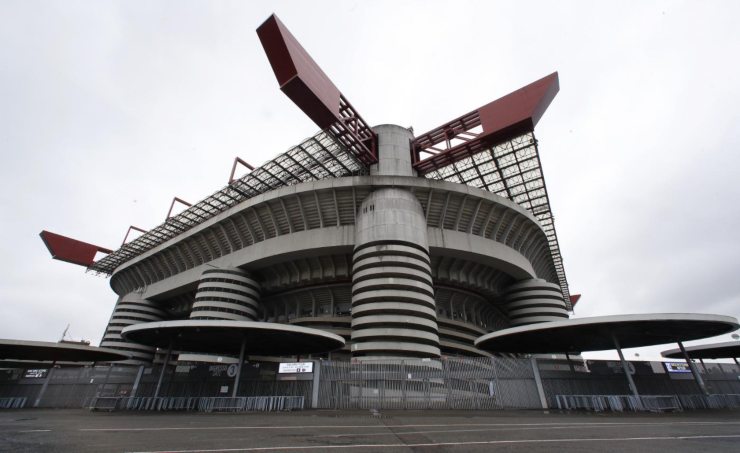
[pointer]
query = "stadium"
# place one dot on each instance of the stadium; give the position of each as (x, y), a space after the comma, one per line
(368, 267)
(404, 245)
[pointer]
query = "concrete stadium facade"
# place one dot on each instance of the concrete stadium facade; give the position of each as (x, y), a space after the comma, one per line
(399, 265)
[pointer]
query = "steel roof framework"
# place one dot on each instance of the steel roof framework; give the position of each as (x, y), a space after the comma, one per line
(319, 157)
(511, 169)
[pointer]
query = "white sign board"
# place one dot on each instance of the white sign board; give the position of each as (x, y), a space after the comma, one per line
(677, 367)
(296, 367)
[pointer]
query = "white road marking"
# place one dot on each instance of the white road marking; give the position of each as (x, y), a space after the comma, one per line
(453, 444)
(35, 431)
(517, 428)
(445, 425)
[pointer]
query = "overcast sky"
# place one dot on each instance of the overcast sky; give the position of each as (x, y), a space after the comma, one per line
(109, 109)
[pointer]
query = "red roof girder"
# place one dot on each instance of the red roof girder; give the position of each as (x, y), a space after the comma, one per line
(516, 113)
(71, 250)
(303, 81)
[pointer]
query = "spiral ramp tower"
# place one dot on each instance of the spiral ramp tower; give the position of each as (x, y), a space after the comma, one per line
(533, 301)
(227, 294)
(393, 308)
(129, 310)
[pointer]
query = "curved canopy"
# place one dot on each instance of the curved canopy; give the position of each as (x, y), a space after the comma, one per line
(727, 350)
(54, 352)
(225, 337)
(595, 334)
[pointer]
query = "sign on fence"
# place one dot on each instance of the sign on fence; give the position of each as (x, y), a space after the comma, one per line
(296, 367)
(677, 367)
(36, 373)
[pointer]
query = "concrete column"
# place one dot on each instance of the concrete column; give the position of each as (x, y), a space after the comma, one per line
(538, 382)
(316, 384)
(164, 368)
(626, 369)
(135, 387)
(393, 309)
(394, 151)
(44, 386)
(239, 367)
(694, 371)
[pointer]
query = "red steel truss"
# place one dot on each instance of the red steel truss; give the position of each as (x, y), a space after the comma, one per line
(516, 113)
(303, 81)
(494, 148)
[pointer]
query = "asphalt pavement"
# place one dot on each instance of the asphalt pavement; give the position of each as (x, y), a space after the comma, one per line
(365, 431)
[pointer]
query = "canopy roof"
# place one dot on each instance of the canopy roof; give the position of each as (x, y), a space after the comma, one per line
(53, 352)
(596, 333)
(225, 337)
(727, 350)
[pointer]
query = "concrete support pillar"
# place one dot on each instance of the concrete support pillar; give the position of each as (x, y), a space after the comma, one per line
(694, 371)
(164, 369)
(135, 387)
(538, 382)
(625, 368)
(316, 384)
(394, 151)
(239, 367)
(44, 386)
(393, 308)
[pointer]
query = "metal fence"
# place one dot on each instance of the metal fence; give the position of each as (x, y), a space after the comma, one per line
(449, 383)
(617, 403)
(718, 401)
(202, 404)
(12, 403)
(465, 383)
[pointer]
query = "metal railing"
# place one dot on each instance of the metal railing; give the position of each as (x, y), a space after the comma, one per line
(618, 403)
(716, 401)
(460, 383)
(13, 403)
(202, 404)
(251, 403)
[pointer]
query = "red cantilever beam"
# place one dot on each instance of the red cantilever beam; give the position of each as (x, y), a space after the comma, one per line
(300, 78)
(71, 250)
(516, 113)
(303, 81)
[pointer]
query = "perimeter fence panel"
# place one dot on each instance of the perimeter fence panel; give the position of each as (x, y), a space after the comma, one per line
(449, 383)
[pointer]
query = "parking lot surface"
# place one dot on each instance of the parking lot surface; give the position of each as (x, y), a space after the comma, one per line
(367, 431)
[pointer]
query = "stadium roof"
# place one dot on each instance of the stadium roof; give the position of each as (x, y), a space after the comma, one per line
(318, 157)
